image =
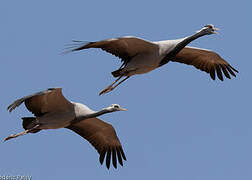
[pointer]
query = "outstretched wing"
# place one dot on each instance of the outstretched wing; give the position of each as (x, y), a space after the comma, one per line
(123, 47)
(205, 60)
(50, 100)
(103, 137)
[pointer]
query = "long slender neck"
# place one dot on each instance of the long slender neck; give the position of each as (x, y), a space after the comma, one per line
(179, 47)
(92, 115)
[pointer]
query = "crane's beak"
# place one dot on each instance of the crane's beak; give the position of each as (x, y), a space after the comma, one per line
(123, 109)
(215, 29)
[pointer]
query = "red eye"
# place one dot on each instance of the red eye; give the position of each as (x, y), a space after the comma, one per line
(210, 26)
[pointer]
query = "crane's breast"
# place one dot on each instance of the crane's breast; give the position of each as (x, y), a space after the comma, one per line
(81, 109)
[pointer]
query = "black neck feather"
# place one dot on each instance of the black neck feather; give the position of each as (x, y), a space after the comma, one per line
(179, 47)
(92, 115)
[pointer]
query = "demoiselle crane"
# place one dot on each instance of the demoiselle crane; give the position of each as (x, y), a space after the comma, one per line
(140, 56)
(52, 111)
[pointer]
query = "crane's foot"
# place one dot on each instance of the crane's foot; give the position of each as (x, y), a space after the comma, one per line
(9, 137)
(15, 135)
(21, 133)
(106, 90)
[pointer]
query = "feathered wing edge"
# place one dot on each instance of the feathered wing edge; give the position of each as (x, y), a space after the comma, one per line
(205, 60)
(104, 139)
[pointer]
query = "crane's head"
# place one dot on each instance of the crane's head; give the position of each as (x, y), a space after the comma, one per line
(209, 29)
(115, 107)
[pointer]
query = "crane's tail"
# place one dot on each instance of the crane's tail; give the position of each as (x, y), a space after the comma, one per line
(117, 73)
(29, 123)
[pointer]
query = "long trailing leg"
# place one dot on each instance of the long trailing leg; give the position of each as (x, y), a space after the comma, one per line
(21, 133)
(121, 82)
(111, 87)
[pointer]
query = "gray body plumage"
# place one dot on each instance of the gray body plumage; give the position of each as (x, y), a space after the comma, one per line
(152, 59)
(56, 120)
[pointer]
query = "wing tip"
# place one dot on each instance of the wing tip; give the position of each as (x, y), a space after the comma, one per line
(225, 69)
(113, 155)
(9, 108)
(234, 69)
(108, 159)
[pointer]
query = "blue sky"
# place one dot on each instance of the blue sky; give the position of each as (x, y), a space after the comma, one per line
(179, 125)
